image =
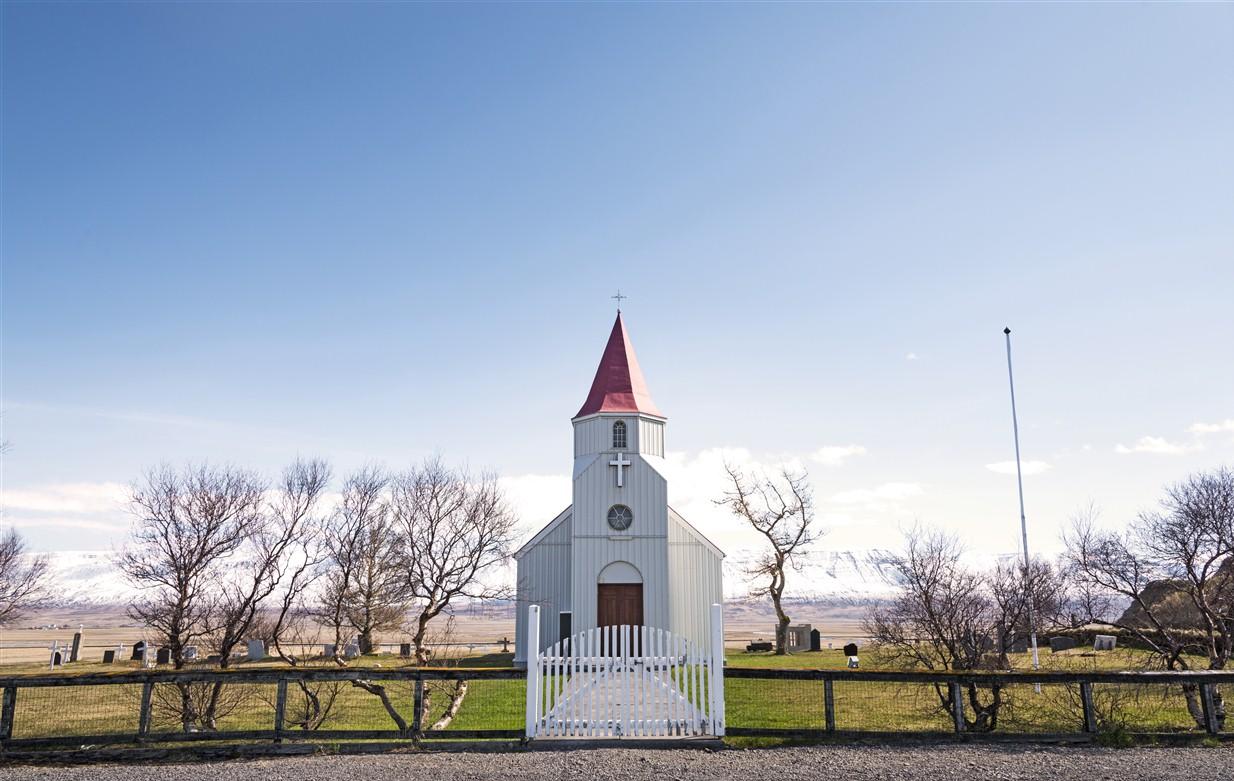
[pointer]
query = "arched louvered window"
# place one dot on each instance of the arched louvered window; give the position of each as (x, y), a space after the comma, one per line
(619, 435)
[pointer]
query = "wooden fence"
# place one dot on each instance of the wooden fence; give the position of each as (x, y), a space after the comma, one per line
(98, 710)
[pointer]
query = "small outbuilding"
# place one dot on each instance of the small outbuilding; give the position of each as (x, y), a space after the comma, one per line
(618, 555)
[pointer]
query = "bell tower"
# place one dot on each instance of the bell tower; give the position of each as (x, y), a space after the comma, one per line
(620, 511)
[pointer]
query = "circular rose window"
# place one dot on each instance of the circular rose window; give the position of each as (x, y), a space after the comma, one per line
(620, 517)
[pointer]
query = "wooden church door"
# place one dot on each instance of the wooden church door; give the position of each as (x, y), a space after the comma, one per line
(620, 604)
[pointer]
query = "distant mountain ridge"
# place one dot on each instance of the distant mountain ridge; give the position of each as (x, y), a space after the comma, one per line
(92, 578)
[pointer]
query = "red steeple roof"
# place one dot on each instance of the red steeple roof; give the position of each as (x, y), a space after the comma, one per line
(619, 385)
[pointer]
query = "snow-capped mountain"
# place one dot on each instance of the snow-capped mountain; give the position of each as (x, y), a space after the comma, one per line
(87, 578)
(848, 576)
(92, 578)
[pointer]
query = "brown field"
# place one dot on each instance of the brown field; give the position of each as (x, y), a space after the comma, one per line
(474, 631)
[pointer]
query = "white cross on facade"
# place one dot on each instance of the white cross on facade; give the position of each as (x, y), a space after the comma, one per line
(619, 462)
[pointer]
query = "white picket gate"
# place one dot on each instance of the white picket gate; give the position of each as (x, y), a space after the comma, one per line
(625, 682)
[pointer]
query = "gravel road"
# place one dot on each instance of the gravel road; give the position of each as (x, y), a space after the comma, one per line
(928, 763)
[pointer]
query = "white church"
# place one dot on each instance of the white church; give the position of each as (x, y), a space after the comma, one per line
(619, 555)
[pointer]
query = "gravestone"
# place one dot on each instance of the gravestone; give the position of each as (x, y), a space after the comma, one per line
(1018, 646)
(57, 659)
(351, 651)
(1105, 643)
(257, 650)
(797, 638)
(163, 656)
(109, 656)
(816, 640)
(1061, 644)
(758, 645)
(850, 649)
(76, 650)
(139, 651)
(328, 649)
(404, 649)
(190, 653)
(505, 645)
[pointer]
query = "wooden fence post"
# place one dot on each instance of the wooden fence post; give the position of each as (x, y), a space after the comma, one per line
(1086, 704)
(143, 720)
(957, 705)
(829, 704)
(1210, 708)
(417, 716)
(280, 710)
(7, 712)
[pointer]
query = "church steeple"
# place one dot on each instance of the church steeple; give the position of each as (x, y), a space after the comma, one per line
(619, 385)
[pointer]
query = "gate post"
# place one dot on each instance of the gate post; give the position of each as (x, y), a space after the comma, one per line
(532, 653)
(717, 669)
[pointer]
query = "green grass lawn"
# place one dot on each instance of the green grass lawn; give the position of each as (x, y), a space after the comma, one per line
(499, 704)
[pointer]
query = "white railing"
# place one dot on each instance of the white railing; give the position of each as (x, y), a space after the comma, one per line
(625, 682)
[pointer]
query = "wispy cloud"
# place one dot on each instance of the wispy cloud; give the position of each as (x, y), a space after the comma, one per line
(886, 497)
(835, 455)
(1156, 446)
(117, 527)
(1028, 467)
(78, 498)
(125, 416)
(1212, 428)
(912, 357)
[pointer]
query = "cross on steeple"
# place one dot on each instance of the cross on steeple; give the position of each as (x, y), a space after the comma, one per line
(620, 462)
(619, 297)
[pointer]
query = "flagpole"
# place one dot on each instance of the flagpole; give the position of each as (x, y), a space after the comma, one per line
(1019, 479)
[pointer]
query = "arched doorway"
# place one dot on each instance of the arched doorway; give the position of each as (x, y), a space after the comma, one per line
(619, 595)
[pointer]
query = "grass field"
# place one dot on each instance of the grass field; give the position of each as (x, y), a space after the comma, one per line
(499, 704)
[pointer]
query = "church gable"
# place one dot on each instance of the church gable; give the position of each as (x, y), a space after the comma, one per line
(679, 523)
(557, 531)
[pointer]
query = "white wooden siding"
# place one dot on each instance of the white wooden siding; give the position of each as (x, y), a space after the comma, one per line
(695, 581)
(544, 580)
(651, 437)
(595, 435)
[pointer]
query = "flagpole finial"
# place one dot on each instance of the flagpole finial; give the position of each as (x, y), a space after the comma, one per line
(1007, 331)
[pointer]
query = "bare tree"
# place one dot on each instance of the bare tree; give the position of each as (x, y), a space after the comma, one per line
(455, 529)
(783, 512)
(273, 549)
(207, 551)
(188, 525)
(947, 616)
(1176, 568)
(24, 578)
(364, 583)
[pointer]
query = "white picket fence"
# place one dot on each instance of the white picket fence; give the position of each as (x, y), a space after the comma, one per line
(625, 682)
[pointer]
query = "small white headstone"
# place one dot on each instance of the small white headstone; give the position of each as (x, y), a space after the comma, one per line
(1105, 643)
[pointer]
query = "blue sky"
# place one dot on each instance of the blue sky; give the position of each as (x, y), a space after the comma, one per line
(242, 233)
